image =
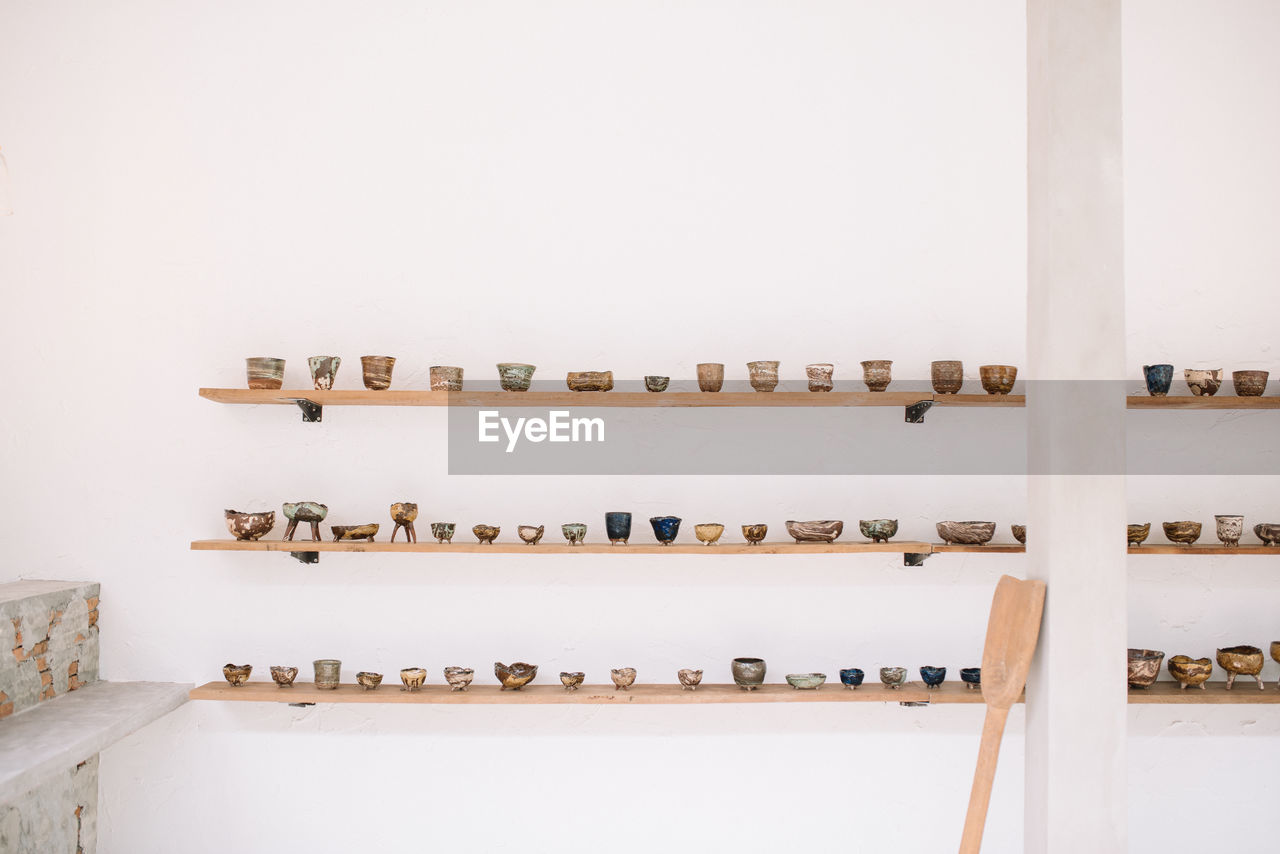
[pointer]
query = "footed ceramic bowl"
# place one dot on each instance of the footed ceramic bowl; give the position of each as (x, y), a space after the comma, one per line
(574, 532)
(486, 533)
(571, 681)
(851, 677)
(1182, 533)
(806, 681)
(368, 681)
(971, 677)
(354, 532)
(623, 678)
(1268, 532)
(893, 677)
(878, 530)
(1241, 660)
(824, 531)
(413, 678)
(748, 673)
(690, 679)
(1138, 533)
(237, 674)
(1020, 533)
(656, 384)
(754, 534)
(933, 676)
(284, 676)
(1229, 529)
(459, 678)
(1144, 667)
(530, 534)
(443, 531)
(617, 526)
(665, 528)
(249, 526)
(1188, 671)
(515, 676)
(967, 533)
(708, 532)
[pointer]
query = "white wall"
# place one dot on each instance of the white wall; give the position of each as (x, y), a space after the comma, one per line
(633, 186)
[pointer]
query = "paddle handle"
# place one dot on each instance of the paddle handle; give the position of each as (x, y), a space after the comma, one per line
(984, 775)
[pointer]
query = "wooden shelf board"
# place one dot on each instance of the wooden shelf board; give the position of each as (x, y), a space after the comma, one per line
(989, 548)
(1220, 401)
(1245, 692)
(545, 548)
(1202, 549)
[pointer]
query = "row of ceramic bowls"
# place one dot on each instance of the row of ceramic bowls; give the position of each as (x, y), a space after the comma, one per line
(748, 673)
(1228, 528)
(1244, 660)
(1204, 382)
(266, 372)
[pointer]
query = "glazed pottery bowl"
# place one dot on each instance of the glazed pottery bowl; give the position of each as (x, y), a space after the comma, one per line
(515, 676)
(1144, 667)
(445, 378)
(486, 533)
(459, 677)
(284, 676)
(878, 530)
(1190, 671)
(377, 371)
(966, 533)
(820, 376)
(894, 677)
(877, 374)
(710, 376)
(623, 678)
(324, 370)
(819, 531)
(806, 681)
(1268, 532)
(947, 376)
(305, 511)
(763, 375)
(328, 673)
(708, 532)
(998, 379)
(237, 674)
(264, 372)
(413, 678)
(1241, 660)
(354, 532)
(1229, 529)
(665, 528)
(971, 677)
(574, 532)
(443, 531)
(748, 673)
(1182, 533)
(1139, 533)
(1019, 533)
(690, 679)
(1159, 378)
(249, 526)
(754, 534)
(515, 376)
(590, 380)
(1204, 383)
(656, 384)
(617, 526)
(1275, 650)
(851, 677)
(368, 681)
(529, 533)
(404, 512)
(571, 681)
(933, 676)
(1249, 383)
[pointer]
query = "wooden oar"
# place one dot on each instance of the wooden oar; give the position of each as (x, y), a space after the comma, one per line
(1012, 631)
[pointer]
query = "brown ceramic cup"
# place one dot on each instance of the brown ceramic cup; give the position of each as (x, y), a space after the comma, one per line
(1250, 383)
(264, 372)
(377, 371)
(710, 376)
(948, 376)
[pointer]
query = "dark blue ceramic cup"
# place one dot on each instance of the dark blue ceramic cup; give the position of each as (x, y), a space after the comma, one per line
(933, 676)
(1158, 379)
(971, 676)
(617, 526)
(851, 677)
(665, 528)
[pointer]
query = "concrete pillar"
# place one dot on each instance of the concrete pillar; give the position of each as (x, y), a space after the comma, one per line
(1076, 695)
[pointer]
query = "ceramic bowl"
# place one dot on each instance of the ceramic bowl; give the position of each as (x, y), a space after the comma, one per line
(486, 533)
(590, 380)
(515, 676)
(1249, 383)
(443, 531)
(754, 534)
(966, 533)
(1182, 533)
(656, 384)
(237, 674)
(690, 679)
(1139, 533)
(763, 375)
(877, 374)
(998, 379)
(820, 531)
(1241, 660)
(284, 676)
(1190, 671)
(894, 677)
(324, 370)
(530, 534)
(1229, 529)
(1144, 667)
(249, 526)
(574, 532)
(933, 676)
(623, 678)
(404, 514)
(819, 376)
(665, 528)
(947, 377)
(1204, 383)
(748, 673)
(413, 678)
(264, 372)
(571, 681)
(459, 678)
(514, 376)
(311, 512)
(1159, 378)
(1275, 650)
(878, 530)
(368, 681)
(445, 378)
(708, 532)
(971, 677)
(328, 673)
(617, 526)
(1019, 533)
(806, 681)
(710, 376)
(354, 532)
(851, 677)
(1268, 532)
(376, 371)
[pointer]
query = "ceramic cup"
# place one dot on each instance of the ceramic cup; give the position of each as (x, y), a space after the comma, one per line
(515, 376)
(710, 376)
(819, 375)
(947, 376)
(1159, 377)
(1250, 383)
(574, 532)
(997, 379)
(656, 384)
(851, 677)
(328, 673)
(377, 371)
(763, 375)
(264, 372)
(748, 673)
(665, 528)
(1205, 382)
(1229, 529)
(446, 378)
(443, 531)
(617, 526)
(877, 374)
(324, 369)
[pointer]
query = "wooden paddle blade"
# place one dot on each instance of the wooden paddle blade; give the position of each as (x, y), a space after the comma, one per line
(1012, 632)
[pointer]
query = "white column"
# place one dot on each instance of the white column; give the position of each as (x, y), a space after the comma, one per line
(1076, 694)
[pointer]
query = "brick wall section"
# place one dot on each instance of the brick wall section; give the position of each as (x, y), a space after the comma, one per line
(52, 630)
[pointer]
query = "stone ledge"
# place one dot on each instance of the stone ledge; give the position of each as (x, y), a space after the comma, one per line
(58, 734)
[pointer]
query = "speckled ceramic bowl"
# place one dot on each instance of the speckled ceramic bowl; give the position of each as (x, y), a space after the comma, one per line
(237, 674)
(1249, 383)
(806, 681)
(514, 676)
(1268, 532)
(590, 380)
(459, 678)
(574, 532)
(1229, 529)
(893, 677)
(284, 676)
(264, 372)
(748, 673)
(530, 534)
(623, 678)
(819, 376)
(571, 681)
(877, 374)
(368, 681)
(1188, 671)
(1138, 533)
(708, 532)
(413, 678)
(445, 378)
(763, 375)
(997, 379)
(249, 526)
(656, 384)
(443, 531)
(515, 376)
(710, 376)
(1203, 383)
(878, 530)
(690, 679)
(617, 526)
(486, 533)
(1241, 660)
(665, 528)
(823, 531)
(966, 533)
(754, 534)
(971, 677)
(933, 676)
(947, 376)
(376, 371)
(851, 677)
(1144, 667)
(324, 370)
(1019, 533)
(354, 532)
(1182, 533)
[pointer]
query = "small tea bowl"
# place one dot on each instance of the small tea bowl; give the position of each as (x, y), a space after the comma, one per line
(1158, 377)
(571, 681)
(515, 376)
(665, 528)
(486, 533)
(823, 531)
(617, 526)
(413, 678)
(1241, 660)
(819, 375)
(1275, 650)
(893, 677)
(998, 379)
(376, 371)
(354, 532)
(1268, 532)
(237, 674)
(328, 673)
(404, 514)
(806, 681)
(1190, 671)
(708, 532)
(710, 376)
(574, 532)
(656, 383)
(1019, 533)
(1138, 533)
(748, 673)
(445, 378)
(590, 380)
(1144, 667)
(529, 533)
(311, 512)
(1229, 529)
(933, 676)
(515, 676)
(967, 533)
(1249, 383)
(971, 677)
(368, 681)
(754, 534)
(249, 526)
(877, 374)
(1182, 533)
(763, 375)
(878, 530)
(324, 370)
(264, 372)
(947, 376)
(284, 676)
(623, 678)
(690, 679)
(851, 677)
(1204, 383)
(459, 677)
(443, 531)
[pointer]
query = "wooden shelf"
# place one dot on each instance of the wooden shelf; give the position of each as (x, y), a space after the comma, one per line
(1220, 401)
(1205, 549)
(545, 548)
(1244, 693)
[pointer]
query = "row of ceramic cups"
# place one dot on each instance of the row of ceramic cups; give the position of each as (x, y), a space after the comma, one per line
(1243, 660)
(1204, 382)
(265, 372)
(1228, 528)
(748, 673)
